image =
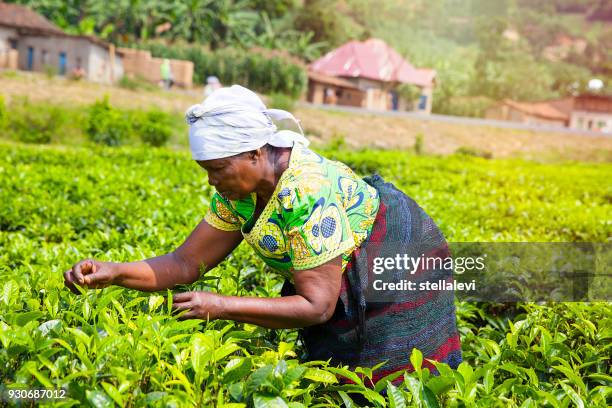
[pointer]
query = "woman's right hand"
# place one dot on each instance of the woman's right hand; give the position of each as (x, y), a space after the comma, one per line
(90, 273)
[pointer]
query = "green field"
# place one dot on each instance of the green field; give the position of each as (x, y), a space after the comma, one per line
(121, 347)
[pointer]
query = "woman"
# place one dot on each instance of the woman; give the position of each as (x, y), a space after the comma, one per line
(310, 219)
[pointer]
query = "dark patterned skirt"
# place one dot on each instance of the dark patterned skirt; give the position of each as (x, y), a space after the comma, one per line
(363, 332)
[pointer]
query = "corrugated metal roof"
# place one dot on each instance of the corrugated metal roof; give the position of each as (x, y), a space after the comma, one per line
(544, 110)
(371, 59)
(17, 16)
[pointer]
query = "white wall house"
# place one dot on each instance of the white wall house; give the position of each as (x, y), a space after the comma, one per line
(35, 44)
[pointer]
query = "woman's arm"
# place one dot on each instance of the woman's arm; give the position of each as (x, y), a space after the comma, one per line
(317, 292)
(205, 247)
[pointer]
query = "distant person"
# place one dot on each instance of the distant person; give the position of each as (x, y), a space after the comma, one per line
(166, 74)
(312, 220)
(212, 84)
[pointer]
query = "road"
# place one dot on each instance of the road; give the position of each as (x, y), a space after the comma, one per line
(457, 119)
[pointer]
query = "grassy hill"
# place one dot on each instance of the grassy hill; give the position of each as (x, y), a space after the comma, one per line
(323, 127)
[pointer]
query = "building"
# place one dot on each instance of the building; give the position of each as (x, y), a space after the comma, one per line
(30, 42)
(592, 112)
(140, 64)
(371, 71)
(325, 89)
(585, 112)
(530, 113)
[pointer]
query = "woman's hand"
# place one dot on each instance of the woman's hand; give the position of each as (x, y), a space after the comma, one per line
(199, 305)
(91, 274)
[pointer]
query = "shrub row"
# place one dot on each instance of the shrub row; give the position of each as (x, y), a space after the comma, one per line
(262, 73)
(101, 123)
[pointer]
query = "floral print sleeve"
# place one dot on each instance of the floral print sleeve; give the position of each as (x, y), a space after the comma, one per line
(315, 223)
(221, 215)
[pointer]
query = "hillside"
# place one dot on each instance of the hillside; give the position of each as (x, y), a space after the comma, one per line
(482, 50)
(324, 126)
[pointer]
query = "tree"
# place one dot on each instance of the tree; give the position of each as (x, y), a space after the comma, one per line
(321, 18)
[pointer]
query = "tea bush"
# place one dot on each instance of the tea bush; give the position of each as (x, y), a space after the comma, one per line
(122, 347)
(3, 113)
(281, 101)
(31, 123)
(153, 127)
(101, 123)
(107, 125)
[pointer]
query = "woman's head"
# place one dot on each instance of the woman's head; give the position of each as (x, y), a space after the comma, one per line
(228, 133)
(235, 177)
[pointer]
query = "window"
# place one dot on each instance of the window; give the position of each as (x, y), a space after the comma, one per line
(13, 43)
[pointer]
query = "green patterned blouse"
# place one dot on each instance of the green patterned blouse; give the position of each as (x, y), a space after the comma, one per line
(320, 209)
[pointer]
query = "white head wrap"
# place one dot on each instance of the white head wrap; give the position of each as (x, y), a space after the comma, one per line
(234, 120)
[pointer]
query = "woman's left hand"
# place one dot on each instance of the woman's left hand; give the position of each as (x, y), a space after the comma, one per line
(199, 305)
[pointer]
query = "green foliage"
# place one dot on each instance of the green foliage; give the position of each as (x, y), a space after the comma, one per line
(118, 346)
(136, 84)
(106, 124)
(281, 101)
(265, 74)
(321, 18)
(409, 93)
(464, 41)
(31, 123)
(3, 113)
(153, 127)
(418, 144)
(214, 23)
(470, 151)
(101, 123)
(472, 106)
(337, 142)
(50, 71)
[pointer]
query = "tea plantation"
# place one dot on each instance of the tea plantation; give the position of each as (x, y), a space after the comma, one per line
(121, 347)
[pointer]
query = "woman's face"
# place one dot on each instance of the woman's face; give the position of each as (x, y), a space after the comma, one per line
(233, 177)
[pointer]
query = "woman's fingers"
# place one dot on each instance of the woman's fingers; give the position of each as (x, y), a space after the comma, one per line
(90, 274)
(80, 269)
(97, 279)
(197, 305)
(183, 302)
(182, 297)
(182, 306)
(69, 282)
(185, 310)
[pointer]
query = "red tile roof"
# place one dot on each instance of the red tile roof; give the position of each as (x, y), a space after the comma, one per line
(21, 17)
(24, 19)
(371, 59)
(546, 110)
